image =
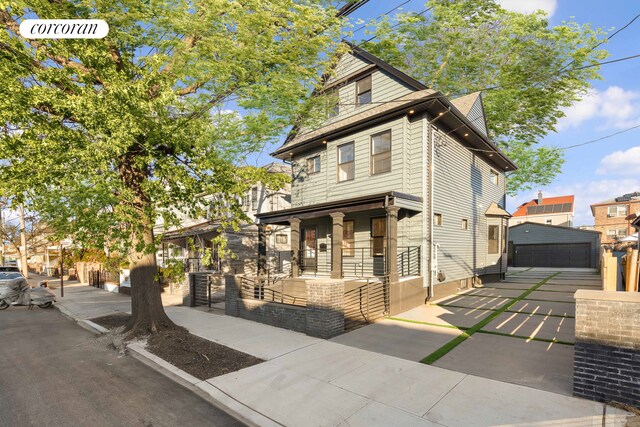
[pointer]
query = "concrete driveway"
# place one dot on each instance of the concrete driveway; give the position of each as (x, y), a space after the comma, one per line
(520, 330)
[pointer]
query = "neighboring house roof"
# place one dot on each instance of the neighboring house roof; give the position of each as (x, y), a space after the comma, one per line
(276, 167)
(495, 210)
(549, 205)
(625, 198)
(537, 224)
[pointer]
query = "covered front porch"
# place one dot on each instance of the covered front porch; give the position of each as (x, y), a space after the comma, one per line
(375, 236)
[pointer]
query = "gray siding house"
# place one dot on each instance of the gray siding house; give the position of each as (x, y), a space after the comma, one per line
(399, 183)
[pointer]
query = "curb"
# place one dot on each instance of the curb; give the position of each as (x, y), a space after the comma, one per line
(88, 325)
(202, 388)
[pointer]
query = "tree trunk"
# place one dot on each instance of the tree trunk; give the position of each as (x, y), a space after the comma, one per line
(147, 313)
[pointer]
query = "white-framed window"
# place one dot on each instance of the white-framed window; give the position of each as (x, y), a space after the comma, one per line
(313, 165)
(493, 246)
(254, 198)
(381, 152)
(437, 219)
(464, 224)
(494, 177)
(617, 233)
(617, 211)
(346, 162)
(282, 239)
(363, 91)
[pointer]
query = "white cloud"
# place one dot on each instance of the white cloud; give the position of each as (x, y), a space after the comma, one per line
(530, 6)
(621, 163)
(586, 193)
(614, 108)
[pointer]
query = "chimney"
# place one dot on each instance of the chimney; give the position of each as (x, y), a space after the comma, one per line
(540, 197)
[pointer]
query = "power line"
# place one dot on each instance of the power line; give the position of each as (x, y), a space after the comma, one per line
(381, 15)
(601, 138)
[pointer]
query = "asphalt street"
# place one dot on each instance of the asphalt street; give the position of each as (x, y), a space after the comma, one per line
(54, 373)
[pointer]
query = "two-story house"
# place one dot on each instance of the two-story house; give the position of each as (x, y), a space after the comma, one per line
(188, 241)
(611, 216)
(399, 182)
(548, 210)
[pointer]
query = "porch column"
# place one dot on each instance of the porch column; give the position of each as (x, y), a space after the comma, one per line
(262, 249)
(392, 243)
(294, 223)
(336, 245)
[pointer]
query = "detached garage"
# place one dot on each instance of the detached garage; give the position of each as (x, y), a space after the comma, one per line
(542, 245)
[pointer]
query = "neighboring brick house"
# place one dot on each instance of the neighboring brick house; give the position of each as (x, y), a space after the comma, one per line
(399, 182)
(612, 216)
(186, 242)
(549, 211)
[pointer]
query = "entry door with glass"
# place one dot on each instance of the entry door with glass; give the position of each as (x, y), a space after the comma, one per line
(309, 243)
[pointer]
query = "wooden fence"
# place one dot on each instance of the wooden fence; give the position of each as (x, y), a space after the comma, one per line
(630, 271)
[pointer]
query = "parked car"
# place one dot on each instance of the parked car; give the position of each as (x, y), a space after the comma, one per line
(9, 268)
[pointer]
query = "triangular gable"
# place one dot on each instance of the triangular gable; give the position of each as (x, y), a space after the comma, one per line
(472, 107)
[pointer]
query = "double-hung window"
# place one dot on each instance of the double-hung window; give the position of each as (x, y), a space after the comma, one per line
(346, 162)
(617, 210)
(363, 91)
(348, 238)
(378, 236)
(313, 165)
(381, 152)
(494, 239)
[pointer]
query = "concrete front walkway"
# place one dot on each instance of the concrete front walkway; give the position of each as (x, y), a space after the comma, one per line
(520, 330)
(307, 381)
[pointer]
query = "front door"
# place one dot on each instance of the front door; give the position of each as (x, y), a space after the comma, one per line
(309, 243)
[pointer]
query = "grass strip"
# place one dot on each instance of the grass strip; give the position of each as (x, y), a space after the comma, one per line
(524, 337)
(430, 359)
(400, 319)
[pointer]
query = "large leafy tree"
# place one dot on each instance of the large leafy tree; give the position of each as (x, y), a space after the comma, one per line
(103, 136)
(527, 70)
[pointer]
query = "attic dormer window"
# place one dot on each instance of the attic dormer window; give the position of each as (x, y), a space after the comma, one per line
(363, 91)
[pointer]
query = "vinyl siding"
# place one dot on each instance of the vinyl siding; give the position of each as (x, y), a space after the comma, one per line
(463, 190)
(324, 186)
(476, 116)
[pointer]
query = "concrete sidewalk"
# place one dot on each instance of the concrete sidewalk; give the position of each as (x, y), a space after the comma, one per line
(308, 381)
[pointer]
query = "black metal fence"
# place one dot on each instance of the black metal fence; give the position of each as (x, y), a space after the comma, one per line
(409, 258)
(366, 303)
(97, 278)
(255, 288)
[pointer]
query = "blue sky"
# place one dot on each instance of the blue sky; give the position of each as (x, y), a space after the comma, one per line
(597, 171)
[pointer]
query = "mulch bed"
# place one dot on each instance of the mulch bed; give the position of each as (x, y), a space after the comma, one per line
(198, 357)
(112, 321)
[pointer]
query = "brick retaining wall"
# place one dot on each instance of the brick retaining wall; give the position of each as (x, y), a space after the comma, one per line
(607, 350)
(323, 316)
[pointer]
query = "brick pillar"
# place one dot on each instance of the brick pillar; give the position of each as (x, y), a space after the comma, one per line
(295, 246)
(392, 243)
(336, 245)
(606, 361)
(262, 249)
(231, 296)
(325, 308)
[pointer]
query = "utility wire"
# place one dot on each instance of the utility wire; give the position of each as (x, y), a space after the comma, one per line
(601, 138)
(381, 15)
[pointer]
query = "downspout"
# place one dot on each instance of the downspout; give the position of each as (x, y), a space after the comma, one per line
(428, 132)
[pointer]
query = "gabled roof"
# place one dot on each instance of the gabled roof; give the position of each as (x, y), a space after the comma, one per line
(422, 100)
(495, 210)
(464, 103)
(563, 201)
